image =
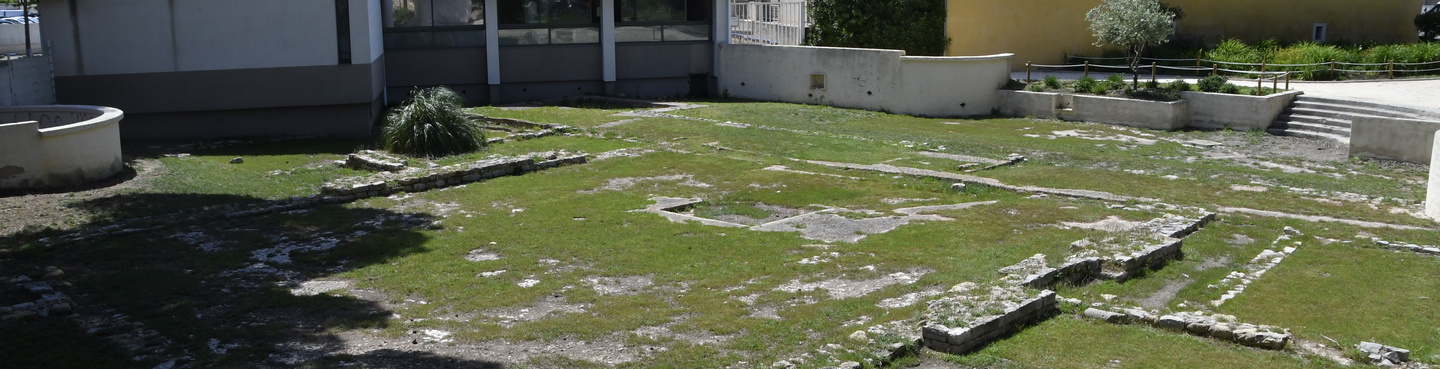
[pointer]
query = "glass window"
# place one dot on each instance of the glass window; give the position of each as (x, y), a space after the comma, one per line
(640, 11)
(519, 12)
(433, 13)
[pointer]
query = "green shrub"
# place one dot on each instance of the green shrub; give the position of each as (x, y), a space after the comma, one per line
(1229, 89)
(1085, 84)
(1115, 82)
(1212, 83)
(1099, 89)
(1035, 87)
(1052, 82)
(1178, 85)
(431, 124)
(871, 24)
(1152, 84)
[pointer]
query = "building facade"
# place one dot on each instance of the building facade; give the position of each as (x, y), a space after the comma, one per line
(224, 68)
(1044, 31)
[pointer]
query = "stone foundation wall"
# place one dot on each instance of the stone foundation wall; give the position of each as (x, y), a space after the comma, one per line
(964, 339)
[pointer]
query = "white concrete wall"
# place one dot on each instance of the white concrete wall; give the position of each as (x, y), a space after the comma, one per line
(1237, 112)
(12, 38)
(882, 80)
(1028, 104)
(1165, 116)
(1432, 198)
(26, 81)
(1393, 139)
(149, 36)
(34, 155)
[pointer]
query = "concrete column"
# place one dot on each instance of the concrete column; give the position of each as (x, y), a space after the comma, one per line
(492, 48)
(607, 44)
(721, 36)
(1432, 198)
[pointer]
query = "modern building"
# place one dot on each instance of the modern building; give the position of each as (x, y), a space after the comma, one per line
(225, 68)
(1044, 31)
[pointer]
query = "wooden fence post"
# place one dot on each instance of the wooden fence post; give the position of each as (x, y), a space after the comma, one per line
(1087, 68)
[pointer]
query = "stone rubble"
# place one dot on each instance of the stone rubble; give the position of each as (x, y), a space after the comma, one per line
(1217, 326)
(43, 298)
(1402, 246)
(1258, 266)
(1383, 355)
(977, 315)
(371, 160)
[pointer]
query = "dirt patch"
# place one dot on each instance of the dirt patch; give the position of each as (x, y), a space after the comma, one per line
(545, 307)
(370, 350)
(621, 184)
(910, 298)
(841, 288)
(1239, 240)
(1162, 298)
(481, 254)
(631, 285)
(851, 226)
(54, 208)
(1111, 224)
(1212, 263)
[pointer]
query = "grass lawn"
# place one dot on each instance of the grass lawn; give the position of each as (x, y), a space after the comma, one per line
(564, 268)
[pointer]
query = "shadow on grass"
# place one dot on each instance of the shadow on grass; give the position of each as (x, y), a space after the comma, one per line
(217, 293)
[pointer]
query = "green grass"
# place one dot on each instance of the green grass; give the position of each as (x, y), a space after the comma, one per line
(568, 226)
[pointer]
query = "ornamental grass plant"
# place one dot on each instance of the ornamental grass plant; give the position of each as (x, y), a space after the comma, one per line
(431, 124)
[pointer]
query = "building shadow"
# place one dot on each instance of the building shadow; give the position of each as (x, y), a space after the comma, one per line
(207, 292)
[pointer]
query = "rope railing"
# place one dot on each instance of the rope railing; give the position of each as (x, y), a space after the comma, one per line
(1259, 70)
(1260, 76)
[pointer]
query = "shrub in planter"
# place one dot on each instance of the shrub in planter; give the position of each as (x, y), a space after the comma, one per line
(431, 124)
(1052, 82)
(1085, 84)
(1179, 85)
(1152, 84)
(1229, 89)
(1115, 82)
(1100, 88)
(1212, 83)
(1034, 87)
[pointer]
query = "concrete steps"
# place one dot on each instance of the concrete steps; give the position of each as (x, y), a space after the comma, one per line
(1330, 119)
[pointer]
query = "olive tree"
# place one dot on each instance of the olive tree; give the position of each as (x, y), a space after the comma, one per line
(1132, 25)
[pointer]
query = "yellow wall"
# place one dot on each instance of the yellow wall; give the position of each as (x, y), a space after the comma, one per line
(1043, 31)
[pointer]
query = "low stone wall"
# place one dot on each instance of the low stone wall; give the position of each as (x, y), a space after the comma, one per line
(1221, 327)
(1199, 110)
(1158, 115)
(385, 183)
(1432, 198)
(960, 324)
(1028, 104)
(1126, 267)
(1237, 112)
(1405, 140)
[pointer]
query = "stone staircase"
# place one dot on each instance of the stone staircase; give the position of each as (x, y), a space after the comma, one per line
(1330, 119)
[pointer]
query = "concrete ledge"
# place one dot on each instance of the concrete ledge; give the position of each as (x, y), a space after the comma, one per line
(1028, 104)
(1405, 140)
(1432, 198)
(1158, 115)
(1237, 112)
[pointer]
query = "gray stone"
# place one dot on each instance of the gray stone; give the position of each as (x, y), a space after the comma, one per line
(1199, 328)
(54, 273)
(1394, 354)
(1222, 331)
(61, 308)
(38, 287)
(850, 365)
(1172, 322)
(237, 160)
(1107, 316)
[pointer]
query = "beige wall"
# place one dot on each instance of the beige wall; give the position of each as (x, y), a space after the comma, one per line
(1432, 198)
(1405, 140)
(1042, 31)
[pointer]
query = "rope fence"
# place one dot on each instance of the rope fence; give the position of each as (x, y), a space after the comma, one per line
(1201, 65)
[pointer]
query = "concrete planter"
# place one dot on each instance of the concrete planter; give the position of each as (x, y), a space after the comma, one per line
(1405, 140)
(1198, 110)
(1432, 198)
(58, 145)
(1237, 112)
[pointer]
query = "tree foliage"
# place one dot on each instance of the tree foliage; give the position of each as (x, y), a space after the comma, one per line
(916, 26)
(1429, 24)
(431, 124)
(1132, 25)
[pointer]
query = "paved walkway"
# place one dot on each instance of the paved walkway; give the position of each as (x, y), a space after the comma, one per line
(1421, 93)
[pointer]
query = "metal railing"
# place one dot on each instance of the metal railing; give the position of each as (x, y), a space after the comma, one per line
(768, 23)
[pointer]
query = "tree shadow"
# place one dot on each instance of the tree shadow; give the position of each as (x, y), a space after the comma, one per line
(206, 291)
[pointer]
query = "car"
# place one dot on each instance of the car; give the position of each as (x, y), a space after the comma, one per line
(19, 20)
